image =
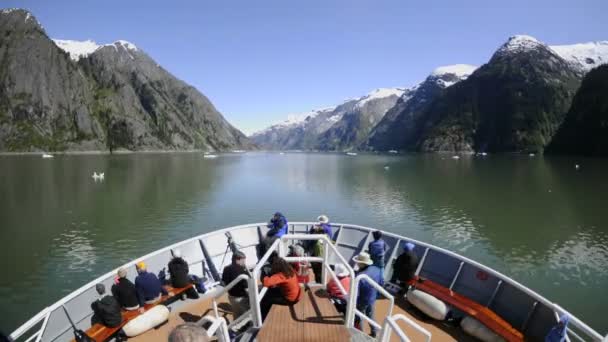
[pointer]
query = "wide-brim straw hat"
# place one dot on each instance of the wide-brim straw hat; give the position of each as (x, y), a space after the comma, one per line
(363, 258)
(323, 219)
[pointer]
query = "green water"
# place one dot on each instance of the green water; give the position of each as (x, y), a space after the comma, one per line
(538, 220)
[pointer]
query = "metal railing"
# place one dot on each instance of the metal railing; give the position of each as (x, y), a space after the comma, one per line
(391, 323)
(218, 328)
(38, 322)
(353, 299)
(279, 246)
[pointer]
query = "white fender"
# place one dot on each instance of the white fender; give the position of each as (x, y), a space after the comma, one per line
(428, 304)
(146, 321)
(476, 329)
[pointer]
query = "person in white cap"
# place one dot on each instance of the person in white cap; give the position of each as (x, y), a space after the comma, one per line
(315, 247)
(367, 293)
(335, 294)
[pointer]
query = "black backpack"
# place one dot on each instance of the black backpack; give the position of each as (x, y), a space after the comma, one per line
(109, 311)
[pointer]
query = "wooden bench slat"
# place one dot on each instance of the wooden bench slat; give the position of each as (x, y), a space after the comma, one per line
(483, 314)
(101, 333)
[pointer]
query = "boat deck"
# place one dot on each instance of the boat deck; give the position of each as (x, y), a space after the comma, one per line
(313, 319)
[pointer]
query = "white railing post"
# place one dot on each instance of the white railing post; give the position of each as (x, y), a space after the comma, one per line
(379, 289)
(325, 262)
(391, 323)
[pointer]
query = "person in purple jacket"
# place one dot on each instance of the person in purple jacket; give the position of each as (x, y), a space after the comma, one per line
(377, 250)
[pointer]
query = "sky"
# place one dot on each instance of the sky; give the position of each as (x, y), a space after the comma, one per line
(259, 61)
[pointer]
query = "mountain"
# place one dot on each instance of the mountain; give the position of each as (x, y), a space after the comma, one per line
(358, 118)
(397, 129)
(513, 103)
(67, 95)
(585, 56)
(334, 128)
(298, 132)
(585, 128)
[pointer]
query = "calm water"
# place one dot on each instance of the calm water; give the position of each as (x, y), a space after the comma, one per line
(536, 219)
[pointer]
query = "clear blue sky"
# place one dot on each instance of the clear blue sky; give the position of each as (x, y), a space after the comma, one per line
(260, 60)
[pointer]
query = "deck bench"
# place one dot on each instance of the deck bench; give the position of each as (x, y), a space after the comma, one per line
(101, 333)
(481, 313)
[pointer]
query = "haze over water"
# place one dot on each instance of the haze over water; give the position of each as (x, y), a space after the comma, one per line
(538, 220)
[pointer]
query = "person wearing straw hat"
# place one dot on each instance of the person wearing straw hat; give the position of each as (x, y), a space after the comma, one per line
(366, 298)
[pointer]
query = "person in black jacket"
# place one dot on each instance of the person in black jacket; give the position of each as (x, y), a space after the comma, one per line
(106, 309)
(125, 292)
(178, 270)
(404, 268)
(238, 295)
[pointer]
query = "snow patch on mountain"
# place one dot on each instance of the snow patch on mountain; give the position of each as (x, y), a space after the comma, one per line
(584, 56)
(459, 70)
(380, 93)
(77, 49)
(294, 120)
(520, 43)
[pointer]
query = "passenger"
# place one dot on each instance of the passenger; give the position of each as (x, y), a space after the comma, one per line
(125, 292)
(335, 295)
(404, 268)
(237, 296)
(559, 332)
(106, 309)
(366, 298)
(283, 287)
(315, 247)
(149, 288)
(178, 270)
(301, 268)
(188, 332)
(278, 227)
(377, 250)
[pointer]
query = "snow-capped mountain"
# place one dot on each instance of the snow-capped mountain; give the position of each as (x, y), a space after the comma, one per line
(396, 127)
(69, 95)
(318, 128)
(585, 56)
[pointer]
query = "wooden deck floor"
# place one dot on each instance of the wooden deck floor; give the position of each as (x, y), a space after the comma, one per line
(192, 312)
(313, 318)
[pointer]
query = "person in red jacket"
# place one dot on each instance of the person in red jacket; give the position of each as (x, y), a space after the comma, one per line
(335, 295)
(283, 286)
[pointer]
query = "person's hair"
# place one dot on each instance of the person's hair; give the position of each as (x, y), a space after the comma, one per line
(377, 234)
(100, 288)
(279, 265)
(188, 332)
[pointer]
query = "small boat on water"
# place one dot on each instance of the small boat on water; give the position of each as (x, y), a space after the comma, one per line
(46, 155)
(488, 304)
(351, 153)
(209, 156)
(393, 151)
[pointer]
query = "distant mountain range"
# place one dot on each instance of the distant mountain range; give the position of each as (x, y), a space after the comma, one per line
(67, 95)
(514, 103)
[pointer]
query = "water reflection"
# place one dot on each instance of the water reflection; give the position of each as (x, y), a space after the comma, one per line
(535, 219)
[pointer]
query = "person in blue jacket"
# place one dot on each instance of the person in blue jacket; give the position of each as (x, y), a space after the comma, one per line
(366, 298)
(278, 227)
(377, 250)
